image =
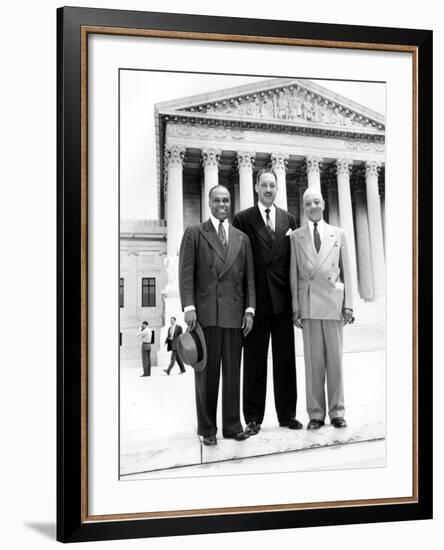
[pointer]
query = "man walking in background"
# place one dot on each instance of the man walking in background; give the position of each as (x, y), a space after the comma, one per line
(268, 228)
(171, 343)
(321, 286)
(216, 283)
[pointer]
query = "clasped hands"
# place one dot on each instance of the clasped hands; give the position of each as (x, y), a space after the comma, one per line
(247, 321)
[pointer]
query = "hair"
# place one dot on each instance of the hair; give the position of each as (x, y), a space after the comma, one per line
(145, 323)
(310, 190)
(173, 318)
(215, 187)
(267, 170)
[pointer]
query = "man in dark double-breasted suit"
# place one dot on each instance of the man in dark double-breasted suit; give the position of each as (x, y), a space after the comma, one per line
(216, 283)
(269, 228)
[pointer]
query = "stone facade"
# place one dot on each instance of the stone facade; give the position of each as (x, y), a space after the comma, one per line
(143, 251)
(311, 136)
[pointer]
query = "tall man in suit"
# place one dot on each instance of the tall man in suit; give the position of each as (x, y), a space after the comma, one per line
(268, 228)
(216, 283)
(321, 286)
(171, 342)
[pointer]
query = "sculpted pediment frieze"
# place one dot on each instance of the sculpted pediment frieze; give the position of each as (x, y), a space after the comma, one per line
(290, 103)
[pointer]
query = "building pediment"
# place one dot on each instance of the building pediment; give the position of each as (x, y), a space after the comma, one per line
(279, 101)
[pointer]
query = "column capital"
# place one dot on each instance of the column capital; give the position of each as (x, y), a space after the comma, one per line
(245, 159)
(279, 161)
(174, 156)
(343, 167)
(211, 157)
(372, 168)
(313, 164)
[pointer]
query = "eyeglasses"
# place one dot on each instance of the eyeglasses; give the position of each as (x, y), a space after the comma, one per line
(267, 185)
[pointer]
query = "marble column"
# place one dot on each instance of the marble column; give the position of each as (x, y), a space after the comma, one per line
(174, 158)
(375, 228)
(313, 165)
(333, 206)
(236, 198)
(302, 215)
(279, 164)
(382, 195)
(363, 246)
(245, 162)
(210, 162)
(343, 167)
(203, 201)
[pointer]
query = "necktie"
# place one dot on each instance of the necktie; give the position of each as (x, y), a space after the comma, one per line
(316, 237)
(269, 223)
(222, 235)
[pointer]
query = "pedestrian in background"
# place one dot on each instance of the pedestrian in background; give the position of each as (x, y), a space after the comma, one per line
(146, 336)
(171, 342)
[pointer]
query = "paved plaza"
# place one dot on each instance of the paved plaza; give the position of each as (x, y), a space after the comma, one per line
(158, 421)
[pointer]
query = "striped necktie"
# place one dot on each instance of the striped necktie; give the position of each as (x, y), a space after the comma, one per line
(222, 235)
(269, 223)
(316, 237)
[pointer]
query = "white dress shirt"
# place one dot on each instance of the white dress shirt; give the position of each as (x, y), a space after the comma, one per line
(264, 214)
(321, 229)
(146, 335)
(216, 224)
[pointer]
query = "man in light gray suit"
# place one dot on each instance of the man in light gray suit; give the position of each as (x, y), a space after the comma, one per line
(321, 286)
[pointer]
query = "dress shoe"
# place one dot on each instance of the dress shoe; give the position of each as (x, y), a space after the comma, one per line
(252, 428)
(182, 372)
(315, 424)
(209, 440)
(142, 375)
(338, 422)
(291, 423)
(240, 436)
(166, 371)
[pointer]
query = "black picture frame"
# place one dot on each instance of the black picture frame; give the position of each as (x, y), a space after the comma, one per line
(73, 522)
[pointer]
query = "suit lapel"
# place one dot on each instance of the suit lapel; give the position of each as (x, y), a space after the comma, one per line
(261, 228)
(279, 233)
(328, 240)
(213, 239)
(234, 246)
(306, 243)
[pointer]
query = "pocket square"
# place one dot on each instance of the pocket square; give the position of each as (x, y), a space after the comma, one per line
(289, 232)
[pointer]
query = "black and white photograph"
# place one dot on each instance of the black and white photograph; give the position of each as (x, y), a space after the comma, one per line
(221, 273)
(248, 237)
(252, 269)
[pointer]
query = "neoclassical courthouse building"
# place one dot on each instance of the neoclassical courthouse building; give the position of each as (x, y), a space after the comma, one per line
(312, 137)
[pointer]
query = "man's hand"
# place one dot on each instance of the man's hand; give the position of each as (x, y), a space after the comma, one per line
(297, 321)
(191, 319)
(347, 316)
(247, 323)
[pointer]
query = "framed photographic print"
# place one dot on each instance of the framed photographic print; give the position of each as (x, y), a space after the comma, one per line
(171, 128)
